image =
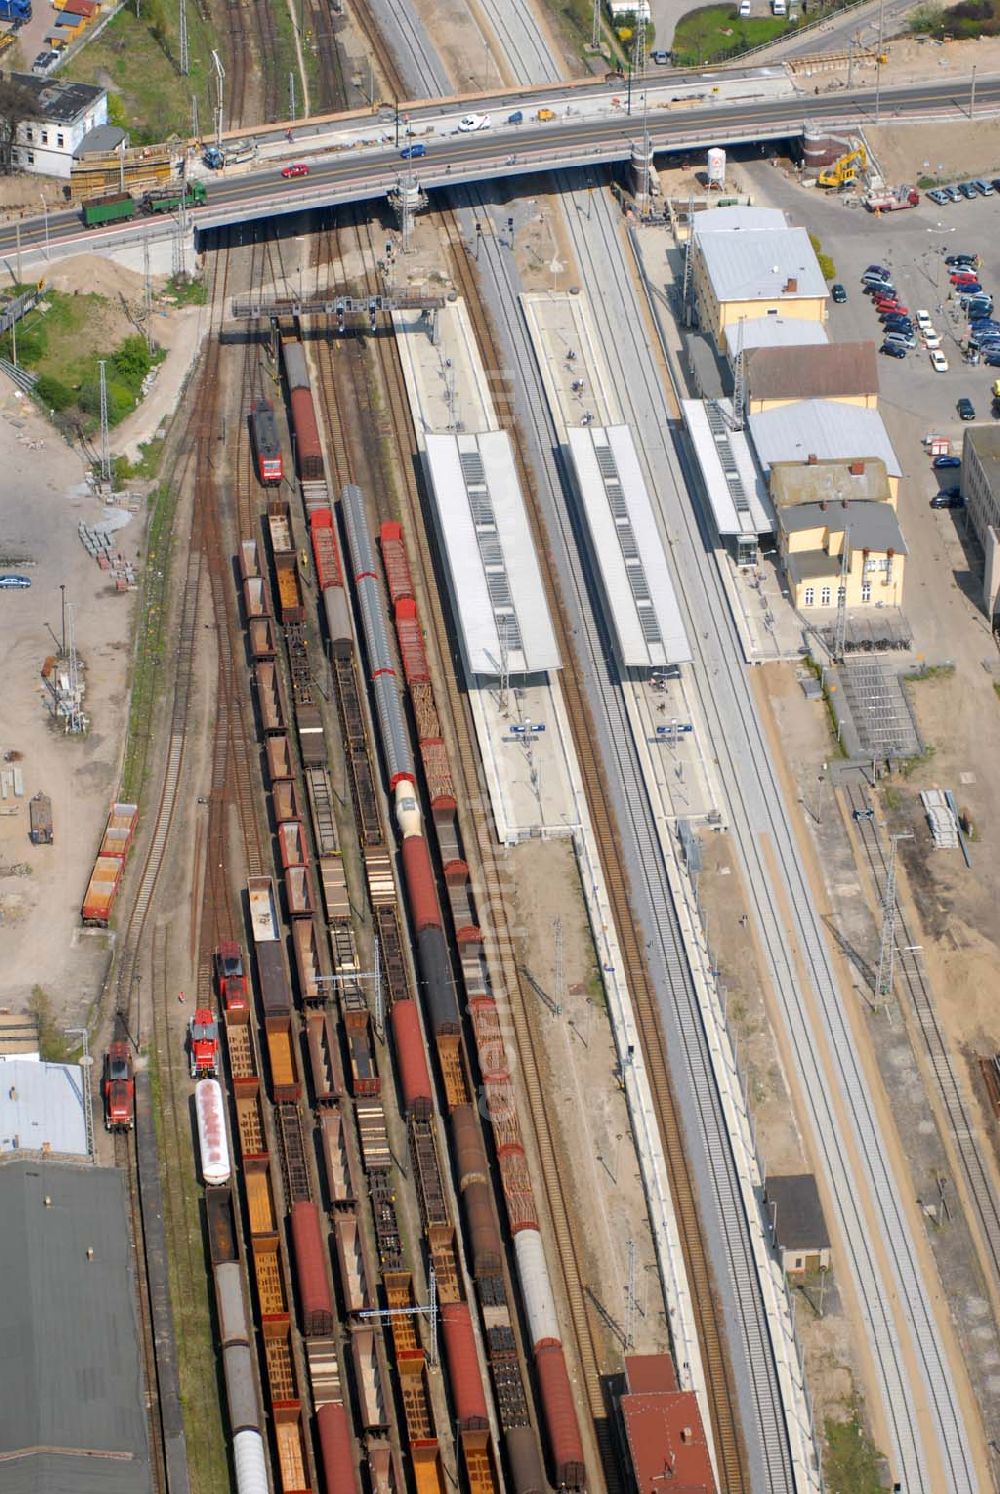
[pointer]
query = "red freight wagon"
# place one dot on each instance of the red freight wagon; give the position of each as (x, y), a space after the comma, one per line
(102, 890)
(559, 1414)
(463, 1366)
(279, 759)
(414, 1078)
(292, 844)
(425, 911)
(325, 549)
(308, 451)
(336, 1448)
(394, 562)
(310, 1270)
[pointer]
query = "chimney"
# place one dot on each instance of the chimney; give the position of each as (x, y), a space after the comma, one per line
(857, 469)
(844, 502)
(790, 287)
(685, 1434)
(823, 505)
(812, 459)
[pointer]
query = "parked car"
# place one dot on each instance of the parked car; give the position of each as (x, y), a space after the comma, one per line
(660, 57)
(961, 259)
(992, 360)
(744, 8)
(14, 583)
(893, 349)
(967, 190)
(895, 309)
(902, 339)
(876, 277)
(954, 195)
(516, 118)
(936, 195)
(45, 60)
(959, 275)
(966, 409)
(877, 270)
(922, 318)
(838, 293)
(931, 340)
(948, 498)
(939, 362)
(940, 463)
(984, 189)
(897, 324)
(469, 123)
(414, 152)
(299, 169)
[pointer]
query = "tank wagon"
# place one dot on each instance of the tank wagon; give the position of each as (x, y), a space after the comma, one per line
(213, 1144)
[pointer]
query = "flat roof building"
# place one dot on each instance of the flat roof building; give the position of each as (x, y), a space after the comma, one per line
(42, 1108)
(823, 429)
(842, 371)
(748, 266)
(628, 549)
(980, 484)
(734, 484)
(772, 332)
(798, 1228)
(72, 1402)
(493, 574)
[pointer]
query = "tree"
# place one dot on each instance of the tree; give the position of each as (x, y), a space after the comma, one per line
(17, 104)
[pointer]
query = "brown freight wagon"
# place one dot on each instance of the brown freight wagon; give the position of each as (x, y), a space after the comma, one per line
(272, 713)
(285, 1084)
(309, 965)
(279, 759)
(275, 991)
(287, 800)
(298, 894)
(263, 644)
(309, 1248)
(324, 1058)
(350, 1260)
(99, 899)
(337, 1159)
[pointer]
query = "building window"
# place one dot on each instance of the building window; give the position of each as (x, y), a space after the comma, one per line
(808, 597)
(866, 591)
(29, 134)
(824, 597)
(31, 158)
(44, 136)
(59, 140)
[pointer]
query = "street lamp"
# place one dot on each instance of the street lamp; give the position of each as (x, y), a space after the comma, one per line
(45, 211)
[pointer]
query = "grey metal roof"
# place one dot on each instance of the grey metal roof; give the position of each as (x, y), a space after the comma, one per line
(41, 1108)
(741, 219)
(101, 140)
(733, 482)
(773, 332)
(57, 100)
(873, 526)
(822, 428)
(71, 1381)
(812, 565)
(493, 569)
(626, 542)
(799, 1222)
(761, 264)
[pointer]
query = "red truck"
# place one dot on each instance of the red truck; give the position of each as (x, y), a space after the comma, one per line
(118, 1088)
(203, 1044)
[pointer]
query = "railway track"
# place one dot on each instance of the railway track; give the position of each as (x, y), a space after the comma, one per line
(981, 1195)
(711, 1332)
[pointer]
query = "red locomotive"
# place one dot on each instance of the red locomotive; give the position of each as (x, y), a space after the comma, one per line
(203, 1044)
(266, 445)
(119, 1088)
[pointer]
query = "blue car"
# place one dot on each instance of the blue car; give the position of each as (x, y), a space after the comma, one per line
(14, 583)
(893, 349)
(992, 359)
(516, 118)
(413, 152)
(939, 463)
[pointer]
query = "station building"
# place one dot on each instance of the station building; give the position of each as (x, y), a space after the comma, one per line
(660, 1430)
(837, 526)
(748, 264)
(63, 115)
(822, 430)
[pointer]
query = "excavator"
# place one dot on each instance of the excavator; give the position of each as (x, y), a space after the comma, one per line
(845, 170)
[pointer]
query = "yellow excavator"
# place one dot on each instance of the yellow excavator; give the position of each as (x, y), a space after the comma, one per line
(845, 171)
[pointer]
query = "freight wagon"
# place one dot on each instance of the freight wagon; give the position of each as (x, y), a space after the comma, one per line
(310, 1254)
(99, 899)
(281, 1046)
(265, 443)
(324, 1057)
(298, 895)
(272, 711)
(312, 738)
(337, 1160)
(279, 760)
(40, 820)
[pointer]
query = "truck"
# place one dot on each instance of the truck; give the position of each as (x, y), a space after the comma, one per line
(891, 199)
(168, 199)
(117, 207)
(203, 1044)
(17, 11)
(118, 1088)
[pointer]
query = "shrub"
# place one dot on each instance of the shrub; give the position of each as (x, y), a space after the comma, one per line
(53, 393)
(131, 362)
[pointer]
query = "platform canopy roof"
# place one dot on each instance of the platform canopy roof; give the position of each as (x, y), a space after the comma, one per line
(628, 548)
(493, 572)
(733, 483)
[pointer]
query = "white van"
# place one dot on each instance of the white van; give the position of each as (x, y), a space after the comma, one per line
(778, 8)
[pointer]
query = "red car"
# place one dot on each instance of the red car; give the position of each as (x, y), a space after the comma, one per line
(883, 306)
(963, 277)
(896, 310)
(299, 169)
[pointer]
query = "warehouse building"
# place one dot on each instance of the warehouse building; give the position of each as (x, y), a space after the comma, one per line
(72, 1400)
(846, 372)
(63, 114)
(628, 550)
(43, 1108)
(504, 624)
(823, 430)
(748, 264)
(837, 526)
